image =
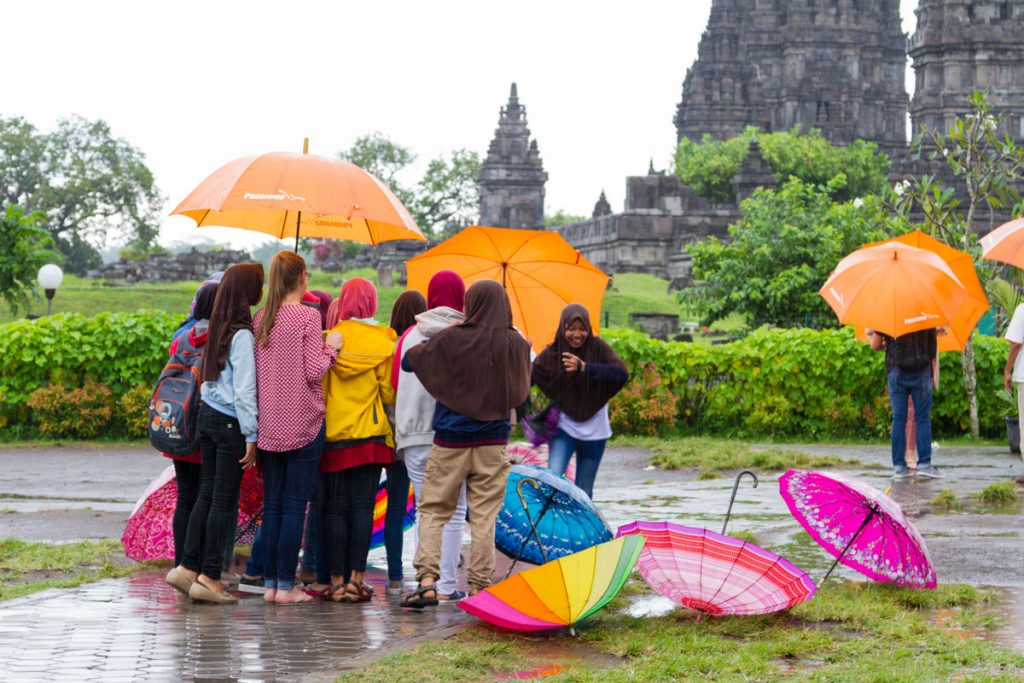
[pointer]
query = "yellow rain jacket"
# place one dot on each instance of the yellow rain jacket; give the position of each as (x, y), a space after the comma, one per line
(358, 385)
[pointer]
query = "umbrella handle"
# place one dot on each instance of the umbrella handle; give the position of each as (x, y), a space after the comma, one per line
(874, 511)
(533, 528)
(735, 487)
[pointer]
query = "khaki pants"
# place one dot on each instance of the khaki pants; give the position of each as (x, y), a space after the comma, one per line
(484, 469)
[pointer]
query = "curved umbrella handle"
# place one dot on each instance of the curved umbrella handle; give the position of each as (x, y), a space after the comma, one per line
(533, 529)
(735, 488)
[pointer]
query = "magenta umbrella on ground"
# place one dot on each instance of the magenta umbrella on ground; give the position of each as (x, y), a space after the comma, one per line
(860, 526)
(711, 573)
(523, 453)
(149, 534)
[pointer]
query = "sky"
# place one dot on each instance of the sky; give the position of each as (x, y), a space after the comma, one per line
(195, 84)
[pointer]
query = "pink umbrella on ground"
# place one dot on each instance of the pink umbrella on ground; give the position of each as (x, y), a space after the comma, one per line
(710, 573)
(860, 526)
(524, 453)
(149, 534)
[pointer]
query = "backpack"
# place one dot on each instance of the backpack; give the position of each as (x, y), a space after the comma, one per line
(913, 352)
(174, 406)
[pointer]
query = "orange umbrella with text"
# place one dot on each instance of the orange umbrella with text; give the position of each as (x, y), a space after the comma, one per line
(894, 288)
(962, 264)
(287, 195)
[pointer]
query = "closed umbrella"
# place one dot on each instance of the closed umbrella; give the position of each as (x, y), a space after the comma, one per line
(540, 271)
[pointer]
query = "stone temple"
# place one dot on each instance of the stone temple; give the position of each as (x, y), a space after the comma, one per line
(835, 65)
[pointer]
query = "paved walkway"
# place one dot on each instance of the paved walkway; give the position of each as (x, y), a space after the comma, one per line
(139, 629)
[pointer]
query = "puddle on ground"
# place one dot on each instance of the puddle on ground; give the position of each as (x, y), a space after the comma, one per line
(554, 653)
(997, 623)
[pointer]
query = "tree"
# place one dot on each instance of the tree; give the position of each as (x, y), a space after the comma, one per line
(783, 248)
(24, 248)
(443, 200)
(86, 183)
(560, 217)
(986, 167)
(710, 165)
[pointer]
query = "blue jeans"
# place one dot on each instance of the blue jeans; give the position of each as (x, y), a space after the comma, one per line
(588, 458)
(919, 386)
(314, 557)
(394, 517)
(257, 558)
(288, 479)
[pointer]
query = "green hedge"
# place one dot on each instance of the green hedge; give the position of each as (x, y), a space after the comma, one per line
(790, 383)
(118, 350)
(806, 383)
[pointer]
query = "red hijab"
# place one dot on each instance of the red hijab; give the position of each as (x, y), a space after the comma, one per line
(446, 288)
(358, 299)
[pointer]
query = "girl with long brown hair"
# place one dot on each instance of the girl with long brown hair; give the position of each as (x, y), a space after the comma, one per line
(292, 357)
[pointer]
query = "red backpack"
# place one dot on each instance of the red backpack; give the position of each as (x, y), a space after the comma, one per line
(174, 406)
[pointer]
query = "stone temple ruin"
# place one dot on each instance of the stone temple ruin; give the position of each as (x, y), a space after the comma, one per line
(834, 65)
(190, 265)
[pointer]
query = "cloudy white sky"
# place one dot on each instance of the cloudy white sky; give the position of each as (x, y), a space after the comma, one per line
(195, 84)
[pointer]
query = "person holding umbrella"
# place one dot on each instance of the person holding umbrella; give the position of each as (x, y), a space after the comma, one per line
(479, 372)
(909, 363)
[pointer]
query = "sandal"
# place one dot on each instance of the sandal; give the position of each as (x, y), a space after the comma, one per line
(362, 592)
(324, 592)
(419, 599)
(336, 593)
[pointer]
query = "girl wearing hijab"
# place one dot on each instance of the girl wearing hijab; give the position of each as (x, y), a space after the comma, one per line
(227, 433)
(478, 371)
(414, 418)
(407, 306)
(292, 358)
(581, 373)
(191, 320)
(187, 467)
(359, 440)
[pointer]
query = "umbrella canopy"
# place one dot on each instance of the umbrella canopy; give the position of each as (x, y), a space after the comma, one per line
(149, 533)
(559, 593)
(380, 508)
(1005, 243)
(287, 195)
(714, 574)
(860, 526)
(523, 453)
(894, 288)
(539, 270)
(968, 314)
(565, 519)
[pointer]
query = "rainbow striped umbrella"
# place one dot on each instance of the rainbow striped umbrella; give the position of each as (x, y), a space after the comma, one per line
(560, 593)
(714, 574)
(380, 509)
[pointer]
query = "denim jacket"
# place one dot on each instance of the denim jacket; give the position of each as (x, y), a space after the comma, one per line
(234, 392)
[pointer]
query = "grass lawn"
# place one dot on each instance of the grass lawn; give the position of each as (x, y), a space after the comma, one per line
(633, 292)
(712, 456)
(848, 632)
(29, 567)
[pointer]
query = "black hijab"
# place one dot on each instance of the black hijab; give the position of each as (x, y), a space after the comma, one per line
(239, 291)
(407, 306)
(480, 368)
(204, 301)
(578, 397)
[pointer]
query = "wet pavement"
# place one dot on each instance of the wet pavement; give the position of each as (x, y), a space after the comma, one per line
(139, 629)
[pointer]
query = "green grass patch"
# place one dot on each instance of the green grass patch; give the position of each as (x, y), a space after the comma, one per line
(848, 632)
(1001, 494)
(29, 567)
(945, 501)
(713, 456)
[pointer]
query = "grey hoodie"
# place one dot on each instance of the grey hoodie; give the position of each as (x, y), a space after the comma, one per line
(414, 407)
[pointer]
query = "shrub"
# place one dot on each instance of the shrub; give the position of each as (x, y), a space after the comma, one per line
(645, 406)
(1000, 494)
(946, 501)
(133, 411)
(82, 413)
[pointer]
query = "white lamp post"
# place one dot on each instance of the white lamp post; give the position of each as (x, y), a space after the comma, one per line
(50, 276)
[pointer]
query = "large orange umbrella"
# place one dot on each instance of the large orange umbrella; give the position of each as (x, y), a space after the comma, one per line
(894, 288)
(1005, 243)
(540, 271)
(961, 263)
(288, 195)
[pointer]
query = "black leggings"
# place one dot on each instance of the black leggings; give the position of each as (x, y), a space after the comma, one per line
(216, 510)
(187, 476)
(350, 495)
